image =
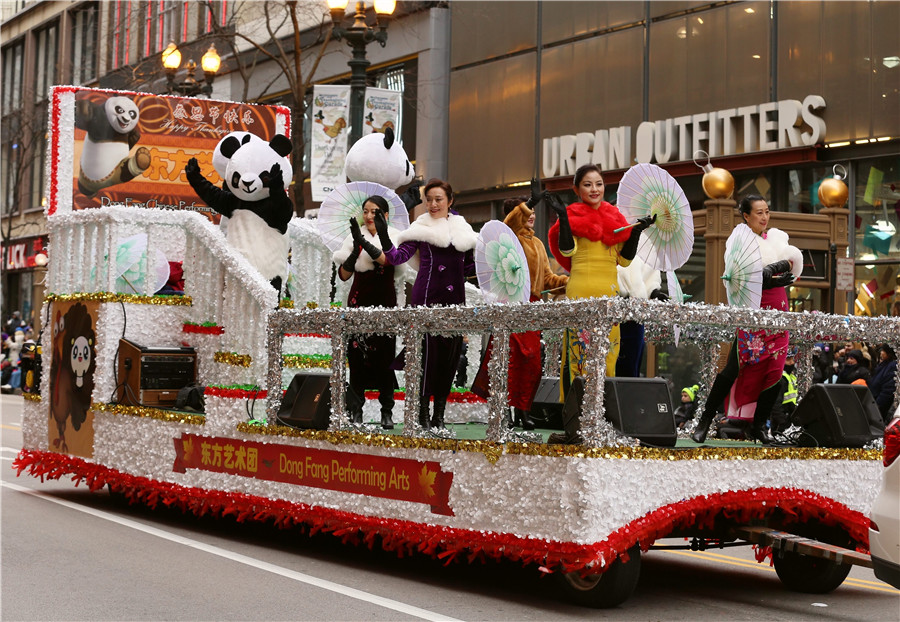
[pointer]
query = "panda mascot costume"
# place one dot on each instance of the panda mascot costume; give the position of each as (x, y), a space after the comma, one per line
(255, 199)
(380, 158)
(112, 131)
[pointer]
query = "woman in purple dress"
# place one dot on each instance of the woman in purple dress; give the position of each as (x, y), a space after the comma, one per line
(444, 244)
(369, 356)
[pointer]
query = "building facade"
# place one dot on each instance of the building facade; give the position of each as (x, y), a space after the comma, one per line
(778, 93)
(118, 44)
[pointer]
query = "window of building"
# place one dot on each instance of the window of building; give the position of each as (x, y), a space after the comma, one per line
(876, 242)
(46, 61)
(39, 152)
(215, 16)
(120, 38)
(84, 44)
(164, 21)
(13, 69)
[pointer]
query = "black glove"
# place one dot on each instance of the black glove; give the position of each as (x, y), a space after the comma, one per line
(566, 241)
(360, 242)
(777, 274)
(412, 196)
(629, 249)
(274, 181)
(192, 169)
(536, 194)
(658, 294)
(349, 264)
(382, 229)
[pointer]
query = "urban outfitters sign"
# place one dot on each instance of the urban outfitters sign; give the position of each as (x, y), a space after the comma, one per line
(762, 127)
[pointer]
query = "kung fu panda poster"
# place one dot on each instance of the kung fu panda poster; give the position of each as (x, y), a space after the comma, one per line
(125, 148)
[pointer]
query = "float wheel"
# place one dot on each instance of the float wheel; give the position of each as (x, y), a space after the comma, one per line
(608, 589)
(811, 575)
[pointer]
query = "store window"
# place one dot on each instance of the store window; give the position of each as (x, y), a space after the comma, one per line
(876, 241)
(802, 186)
(84, 45)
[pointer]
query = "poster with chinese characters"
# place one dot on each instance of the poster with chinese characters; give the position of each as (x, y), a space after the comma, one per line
(131, 148)
(328, 138)
(382, 111)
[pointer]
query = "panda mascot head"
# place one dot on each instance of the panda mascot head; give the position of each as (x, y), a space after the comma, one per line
(219, 160)
(381, 159)
(250, 161)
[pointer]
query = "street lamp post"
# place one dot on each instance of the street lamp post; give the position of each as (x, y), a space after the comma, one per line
(190, 86)
(358, 36)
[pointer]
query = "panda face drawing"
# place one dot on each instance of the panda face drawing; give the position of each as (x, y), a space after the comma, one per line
(122, 113)
(80, 358)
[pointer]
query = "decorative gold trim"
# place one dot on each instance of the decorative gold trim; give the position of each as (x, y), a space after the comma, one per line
(150, 413)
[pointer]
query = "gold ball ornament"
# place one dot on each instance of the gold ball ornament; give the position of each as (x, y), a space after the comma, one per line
(718, 183)
(833, 192)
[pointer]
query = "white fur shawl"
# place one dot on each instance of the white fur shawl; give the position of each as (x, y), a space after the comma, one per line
(638, 279)
(364, 263)
(775, 247)
(441, 232)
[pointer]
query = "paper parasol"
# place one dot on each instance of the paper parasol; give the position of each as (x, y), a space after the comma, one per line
(500, 265)
(743, 268)
(645, 190)
(675, 292)
(345, 202)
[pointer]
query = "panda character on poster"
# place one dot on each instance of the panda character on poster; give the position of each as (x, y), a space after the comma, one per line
(254, 198)
(112, 132)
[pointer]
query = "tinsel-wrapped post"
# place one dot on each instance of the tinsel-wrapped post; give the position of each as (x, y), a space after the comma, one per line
(498, 375)
(896, 387)
(412, 370)
(552, 339)
(804, 368)
(274, 342)
(339, 419)
(595, 430)
(710, 361)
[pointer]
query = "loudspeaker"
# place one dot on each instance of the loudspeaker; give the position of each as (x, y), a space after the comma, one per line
(307, 402)
(546, 407)
(637, 407)
(837, 415)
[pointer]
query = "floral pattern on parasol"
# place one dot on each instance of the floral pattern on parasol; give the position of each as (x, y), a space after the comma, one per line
(500, 265)
(345, 202)
(743, 268)
(647, 190)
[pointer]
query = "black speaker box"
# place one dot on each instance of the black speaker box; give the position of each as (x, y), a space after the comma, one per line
(838, 415)
(637, 407)
(307, 402)
(546, 407)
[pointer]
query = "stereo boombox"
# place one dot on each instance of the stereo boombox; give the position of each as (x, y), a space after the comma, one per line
(152, 376)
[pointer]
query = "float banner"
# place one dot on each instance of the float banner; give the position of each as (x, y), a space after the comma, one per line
(131, 148)
(328, 138)
(382, 111)
(362, 474)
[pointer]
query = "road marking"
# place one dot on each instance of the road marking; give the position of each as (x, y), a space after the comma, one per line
(710, 556)
(387, 603)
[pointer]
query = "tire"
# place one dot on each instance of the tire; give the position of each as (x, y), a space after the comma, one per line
(811, 575)
(609, 589)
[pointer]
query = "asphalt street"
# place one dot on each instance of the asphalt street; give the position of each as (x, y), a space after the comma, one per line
(69, 554)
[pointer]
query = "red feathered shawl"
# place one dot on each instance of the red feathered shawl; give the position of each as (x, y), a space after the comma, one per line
(593, 224)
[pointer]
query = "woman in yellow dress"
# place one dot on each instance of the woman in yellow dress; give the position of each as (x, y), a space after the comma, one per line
(584, 242)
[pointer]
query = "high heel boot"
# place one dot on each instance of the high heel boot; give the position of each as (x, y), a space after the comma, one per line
(437, 419)
(700, 432)
(423, 412)
(387, 419)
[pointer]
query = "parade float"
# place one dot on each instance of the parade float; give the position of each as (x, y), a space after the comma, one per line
(581, 511)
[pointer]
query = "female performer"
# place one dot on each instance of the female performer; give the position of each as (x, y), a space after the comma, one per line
(369, 357)
(444, 243)
(584, 242)
(756, 359)
(525, 348)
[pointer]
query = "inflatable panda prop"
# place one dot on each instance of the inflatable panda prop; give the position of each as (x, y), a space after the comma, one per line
(256, 174)
(380, 159)
(112, 131)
